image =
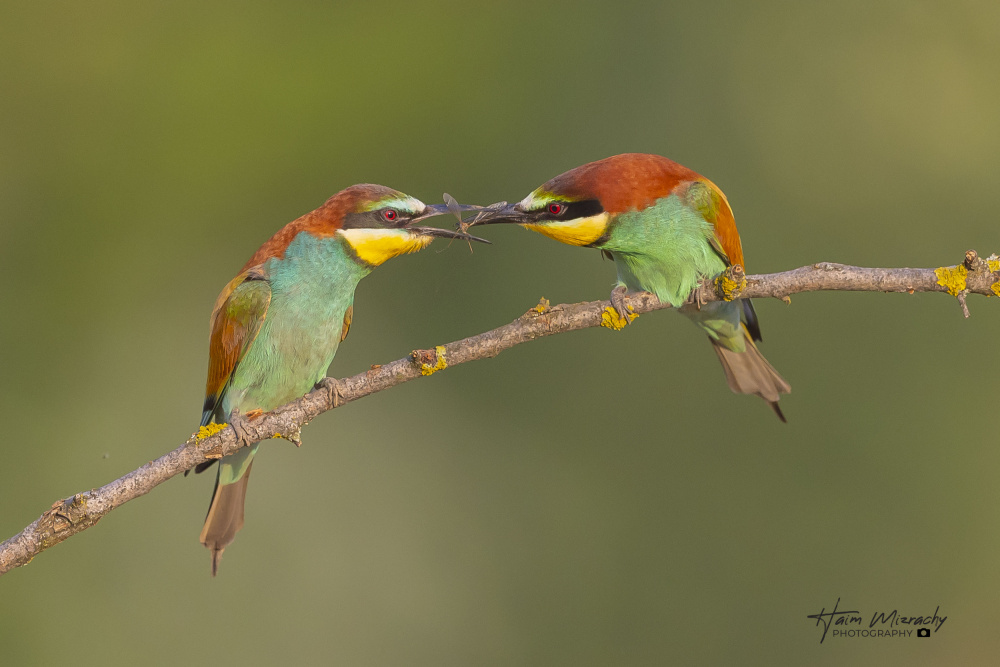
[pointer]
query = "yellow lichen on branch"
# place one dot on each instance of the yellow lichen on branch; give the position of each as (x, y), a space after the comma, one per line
(209, 430)
(610, 319)
(731, 282)
(442, 363)
(994, 263)
(952, 278)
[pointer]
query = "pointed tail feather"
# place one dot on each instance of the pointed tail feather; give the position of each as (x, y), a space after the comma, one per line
(225, 516)
(750, 373)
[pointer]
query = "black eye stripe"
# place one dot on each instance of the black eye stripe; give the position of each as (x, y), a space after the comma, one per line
(572, 210)
(376, 219)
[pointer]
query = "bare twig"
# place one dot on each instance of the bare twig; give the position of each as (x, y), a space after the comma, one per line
(81, 511)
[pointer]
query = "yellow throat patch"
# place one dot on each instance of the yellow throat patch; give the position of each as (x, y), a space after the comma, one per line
(582, 231)
(374, 246)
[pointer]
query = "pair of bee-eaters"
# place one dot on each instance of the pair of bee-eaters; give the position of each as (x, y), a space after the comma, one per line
(277, 325)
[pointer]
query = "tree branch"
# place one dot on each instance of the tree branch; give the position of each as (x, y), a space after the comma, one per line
(71, 515)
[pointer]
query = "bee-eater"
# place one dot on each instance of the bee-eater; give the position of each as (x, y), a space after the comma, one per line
(277, 325)
(666, 228)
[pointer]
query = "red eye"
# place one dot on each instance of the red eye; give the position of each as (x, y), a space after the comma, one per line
(556, 209)
(390, 215)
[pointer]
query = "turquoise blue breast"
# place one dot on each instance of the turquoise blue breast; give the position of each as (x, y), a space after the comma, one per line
(312, 287)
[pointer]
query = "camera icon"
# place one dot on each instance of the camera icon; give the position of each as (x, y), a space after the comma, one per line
(923, 632)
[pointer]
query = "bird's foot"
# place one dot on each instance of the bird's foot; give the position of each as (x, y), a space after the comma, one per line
(240, 424)
(699, 298)
(619, 313)
(333, 392)
(619, 301)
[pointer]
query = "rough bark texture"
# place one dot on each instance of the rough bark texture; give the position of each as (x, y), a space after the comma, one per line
(71, 515)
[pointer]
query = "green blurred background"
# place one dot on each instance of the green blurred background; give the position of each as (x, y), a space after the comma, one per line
(499, 513)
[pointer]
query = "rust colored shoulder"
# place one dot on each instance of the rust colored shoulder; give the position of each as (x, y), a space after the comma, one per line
(725, 227)
(706, 197)
(237, 317)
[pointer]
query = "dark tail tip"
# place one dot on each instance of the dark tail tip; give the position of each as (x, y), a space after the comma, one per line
(217, 556)
(750, 317)
(777, 411)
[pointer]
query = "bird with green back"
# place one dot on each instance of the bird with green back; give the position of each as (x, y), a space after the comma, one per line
(276, 326)
(667, 228)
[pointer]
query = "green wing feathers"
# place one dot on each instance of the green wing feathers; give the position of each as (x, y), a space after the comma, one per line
(236, 320)
(238, 315)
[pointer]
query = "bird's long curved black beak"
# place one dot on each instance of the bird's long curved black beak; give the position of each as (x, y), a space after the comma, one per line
(500, 212)
(433, 210)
